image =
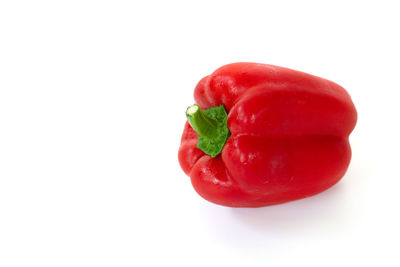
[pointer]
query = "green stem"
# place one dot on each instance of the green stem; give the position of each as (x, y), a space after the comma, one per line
(201, 123)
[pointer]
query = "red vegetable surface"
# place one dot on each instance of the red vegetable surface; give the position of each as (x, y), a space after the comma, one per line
(262, 135)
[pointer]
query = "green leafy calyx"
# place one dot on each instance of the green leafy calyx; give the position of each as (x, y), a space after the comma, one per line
(211, 128)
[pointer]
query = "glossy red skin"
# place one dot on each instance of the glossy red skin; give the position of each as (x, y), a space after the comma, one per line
(289, 136)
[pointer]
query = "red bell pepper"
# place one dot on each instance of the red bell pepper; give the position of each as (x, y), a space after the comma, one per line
(262, 135)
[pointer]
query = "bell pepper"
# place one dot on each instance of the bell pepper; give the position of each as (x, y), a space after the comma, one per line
(261, 135)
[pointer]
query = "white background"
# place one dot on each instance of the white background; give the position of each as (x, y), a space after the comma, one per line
(92, 101)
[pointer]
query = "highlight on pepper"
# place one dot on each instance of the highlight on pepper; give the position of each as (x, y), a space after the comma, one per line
(261, 135)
